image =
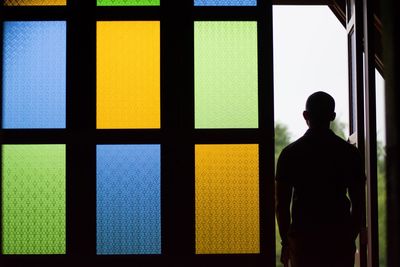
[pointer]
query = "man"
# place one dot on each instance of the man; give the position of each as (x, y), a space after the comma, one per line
(320, 182)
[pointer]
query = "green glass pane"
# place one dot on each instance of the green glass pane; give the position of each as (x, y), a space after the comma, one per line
(33, 195)
(128, 2)
(226, 77)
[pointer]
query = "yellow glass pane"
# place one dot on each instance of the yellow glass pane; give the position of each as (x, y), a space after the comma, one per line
(128, 74)
(35, 2)
(227, 199)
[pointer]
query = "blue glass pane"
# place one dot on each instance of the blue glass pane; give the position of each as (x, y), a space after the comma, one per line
(34, 74)
(128, 199)
(225, 2)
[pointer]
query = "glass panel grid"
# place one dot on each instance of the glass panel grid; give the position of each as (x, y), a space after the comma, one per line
(128, 199)
(128, 75)
(227, 199)
(225, 2)
(35, 2)
(226, 75)
(128, 2)
(33, 199)
(34, 74)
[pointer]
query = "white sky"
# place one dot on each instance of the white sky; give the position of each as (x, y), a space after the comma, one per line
(310, 54)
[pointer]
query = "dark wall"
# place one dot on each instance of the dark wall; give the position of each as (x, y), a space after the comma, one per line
(391, 45)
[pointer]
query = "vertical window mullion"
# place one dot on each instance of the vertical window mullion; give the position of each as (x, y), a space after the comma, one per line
(81, 123)
(177, 125)
(266, 133)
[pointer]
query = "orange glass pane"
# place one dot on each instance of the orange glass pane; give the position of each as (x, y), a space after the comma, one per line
(128, 74)
(35, 2)
(227, 199)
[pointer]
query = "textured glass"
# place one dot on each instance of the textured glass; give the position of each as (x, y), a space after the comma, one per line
(225, 2)
(128, 2)
(227, 199)
(128, 199)
(226, 79)
(35, 2)
(33, 195)
(128, 74)
(34, 74)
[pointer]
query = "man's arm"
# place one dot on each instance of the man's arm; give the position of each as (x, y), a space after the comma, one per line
(357, 196)
(283, 195)
(283, 198)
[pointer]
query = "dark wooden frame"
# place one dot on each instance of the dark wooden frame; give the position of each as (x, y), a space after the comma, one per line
(177, 135)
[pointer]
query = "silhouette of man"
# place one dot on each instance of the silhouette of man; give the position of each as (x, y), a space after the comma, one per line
(318, 222)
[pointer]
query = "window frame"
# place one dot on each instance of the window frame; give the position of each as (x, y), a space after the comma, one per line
(177, 135)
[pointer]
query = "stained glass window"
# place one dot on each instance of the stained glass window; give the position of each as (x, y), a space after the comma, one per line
(226, 76)
(225, 2)
(35, 2)
(227, 199)
(128, 2)
(33, 199)
(128, 74)
(128, 199)
(34, 74)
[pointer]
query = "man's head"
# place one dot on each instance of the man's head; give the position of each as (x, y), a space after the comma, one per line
(320, 110)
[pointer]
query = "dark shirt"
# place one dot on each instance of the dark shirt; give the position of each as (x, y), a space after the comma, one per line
(320, 167)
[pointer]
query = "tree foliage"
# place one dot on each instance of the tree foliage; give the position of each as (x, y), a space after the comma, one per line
(339, 128)
(282, 138)
(382, 212)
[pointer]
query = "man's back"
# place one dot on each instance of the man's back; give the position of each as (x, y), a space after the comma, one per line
(320, 166)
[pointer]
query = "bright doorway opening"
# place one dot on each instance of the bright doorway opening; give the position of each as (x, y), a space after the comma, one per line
(310, 54)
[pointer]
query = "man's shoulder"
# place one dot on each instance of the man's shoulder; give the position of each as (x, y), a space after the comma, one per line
(305, 142)
(294, 147)
(343, 144)
(300, 142)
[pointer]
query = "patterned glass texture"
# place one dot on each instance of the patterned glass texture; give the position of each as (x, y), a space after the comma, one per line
(128, 2)
(128, 199)
(34, 74)
(226, 78)
(128, 74)
(35, 2)
(33, 197)
(227, 199)
(225, 2)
